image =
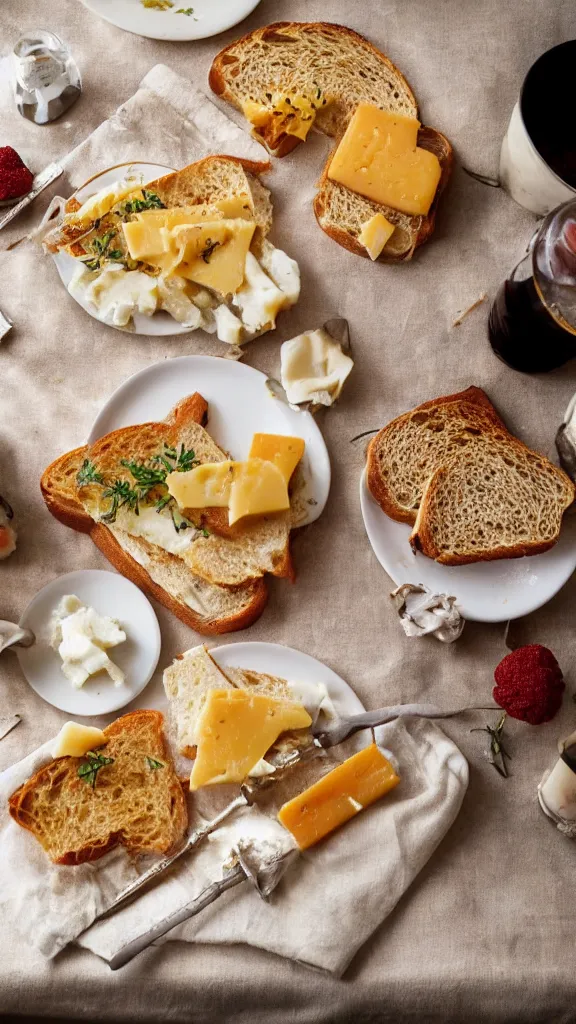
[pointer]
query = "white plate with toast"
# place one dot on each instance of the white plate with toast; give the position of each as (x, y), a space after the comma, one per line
(239, 405)
(110, 594)
(178, 22)
(484, 591)
(159, 325)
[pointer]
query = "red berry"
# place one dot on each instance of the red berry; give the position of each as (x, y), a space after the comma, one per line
(529, 684)
(15, 178)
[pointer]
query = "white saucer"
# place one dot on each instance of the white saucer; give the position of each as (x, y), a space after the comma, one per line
(239, 405)
(208, 19)
(161, 323)
(110, 594)
(484, 591)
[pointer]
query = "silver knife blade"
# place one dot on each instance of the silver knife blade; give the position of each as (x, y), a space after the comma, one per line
(41, 181)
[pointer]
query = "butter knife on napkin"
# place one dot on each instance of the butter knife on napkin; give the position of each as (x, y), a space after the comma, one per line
(41, 181)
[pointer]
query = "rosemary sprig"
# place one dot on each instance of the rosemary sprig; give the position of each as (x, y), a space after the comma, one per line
(122, 495)
(153, 763)
(88, 474)
(101, 251)
(149, 476)
(497, 753)
(95, 762)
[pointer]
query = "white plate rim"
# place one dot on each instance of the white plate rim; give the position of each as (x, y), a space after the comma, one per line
(474, 612)
(153, 632)
(322, 470)
(165, 34)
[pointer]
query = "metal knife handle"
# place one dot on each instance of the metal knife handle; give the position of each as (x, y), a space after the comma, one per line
(13, 635)
(346, 727)
(41, 181)
(158, 870)
(206, 897)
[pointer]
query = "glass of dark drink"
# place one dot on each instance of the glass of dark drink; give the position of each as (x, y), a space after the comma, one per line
(532, 322)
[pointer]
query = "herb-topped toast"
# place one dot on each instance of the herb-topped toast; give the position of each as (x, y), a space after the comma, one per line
(206, 572)
(125, 793)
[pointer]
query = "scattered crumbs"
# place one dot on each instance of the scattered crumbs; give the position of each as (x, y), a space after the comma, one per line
(474, 305)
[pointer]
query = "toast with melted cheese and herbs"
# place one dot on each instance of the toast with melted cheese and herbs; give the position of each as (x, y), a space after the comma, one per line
(193, 243)
(290, 77)
(125, 793)
(471, 490)
(207, 573)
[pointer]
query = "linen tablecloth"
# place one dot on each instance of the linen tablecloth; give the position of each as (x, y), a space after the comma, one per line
(486, 931)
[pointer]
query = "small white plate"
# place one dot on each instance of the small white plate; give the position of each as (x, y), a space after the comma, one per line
(239, 405)
(110, 594)
(209, 17)
(161, 323)
(484, 591)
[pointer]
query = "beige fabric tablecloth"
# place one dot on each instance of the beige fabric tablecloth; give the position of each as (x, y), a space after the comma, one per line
(486, 931)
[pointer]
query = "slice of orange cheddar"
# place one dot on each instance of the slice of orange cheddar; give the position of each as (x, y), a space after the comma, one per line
(339, 796)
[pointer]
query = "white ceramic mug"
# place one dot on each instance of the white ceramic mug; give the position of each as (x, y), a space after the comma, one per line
(524, 172)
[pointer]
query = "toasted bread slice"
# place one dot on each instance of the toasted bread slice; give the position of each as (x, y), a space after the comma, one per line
(207, 607)
(403, 455)
(135, 801)
(304, 58)
(205, 181)
(342, 213)
(307, 59)
(492, 501)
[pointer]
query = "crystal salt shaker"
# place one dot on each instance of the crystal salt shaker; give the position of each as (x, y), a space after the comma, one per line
(46, 78)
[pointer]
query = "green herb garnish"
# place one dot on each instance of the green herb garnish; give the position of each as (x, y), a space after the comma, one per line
(186, 10)
(88, 474)
(99, 251)
(149, 201)
(208, 249)
(148, 476)
(497, 753)
(95, 762)
(157, 5)
(153, 763)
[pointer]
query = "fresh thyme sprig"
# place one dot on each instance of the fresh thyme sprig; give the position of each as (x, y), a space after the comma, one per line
(101, 251)
(88, 474)
(148, 476)
(149, 201)
(95, 762)
(497, 753)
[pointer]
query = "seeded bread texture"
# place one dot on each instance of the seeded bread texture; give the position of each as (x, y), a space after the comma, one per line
(136, 801)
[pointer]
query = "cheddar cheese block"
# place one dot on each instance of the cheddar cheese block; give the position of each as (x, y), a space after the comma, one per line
(344, 792)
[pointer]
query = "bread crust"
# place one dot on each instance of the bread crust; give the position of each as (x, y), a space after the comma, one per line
(127, 723)
(378, 487)
(71, 513)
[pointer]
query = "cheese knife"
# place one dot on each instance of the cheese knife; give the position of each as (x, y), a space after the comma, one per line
(340, 730)
(41, 181)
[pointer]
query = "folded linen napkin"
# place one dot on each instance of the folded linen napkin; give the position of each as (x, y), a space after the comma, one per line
(343, 889)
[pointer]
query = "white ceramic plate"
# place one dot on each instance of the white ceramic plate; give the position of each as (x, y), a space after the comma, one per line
(485, 591)
(161, 324)
(239, 405)
(209, 17)
(110, 594)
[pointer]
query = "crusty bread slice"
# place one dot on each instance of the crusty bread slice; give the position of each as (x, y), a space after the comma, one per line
(136, 801)
(492, 501)
(341, 213)
(186, 682)
(472, 489)
(403, 455)
(205, 607)
(302, 57)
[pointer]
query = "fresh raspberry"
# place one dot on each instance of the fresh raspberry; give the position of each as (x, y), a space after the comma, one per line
(529, 684)
(15, 178)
